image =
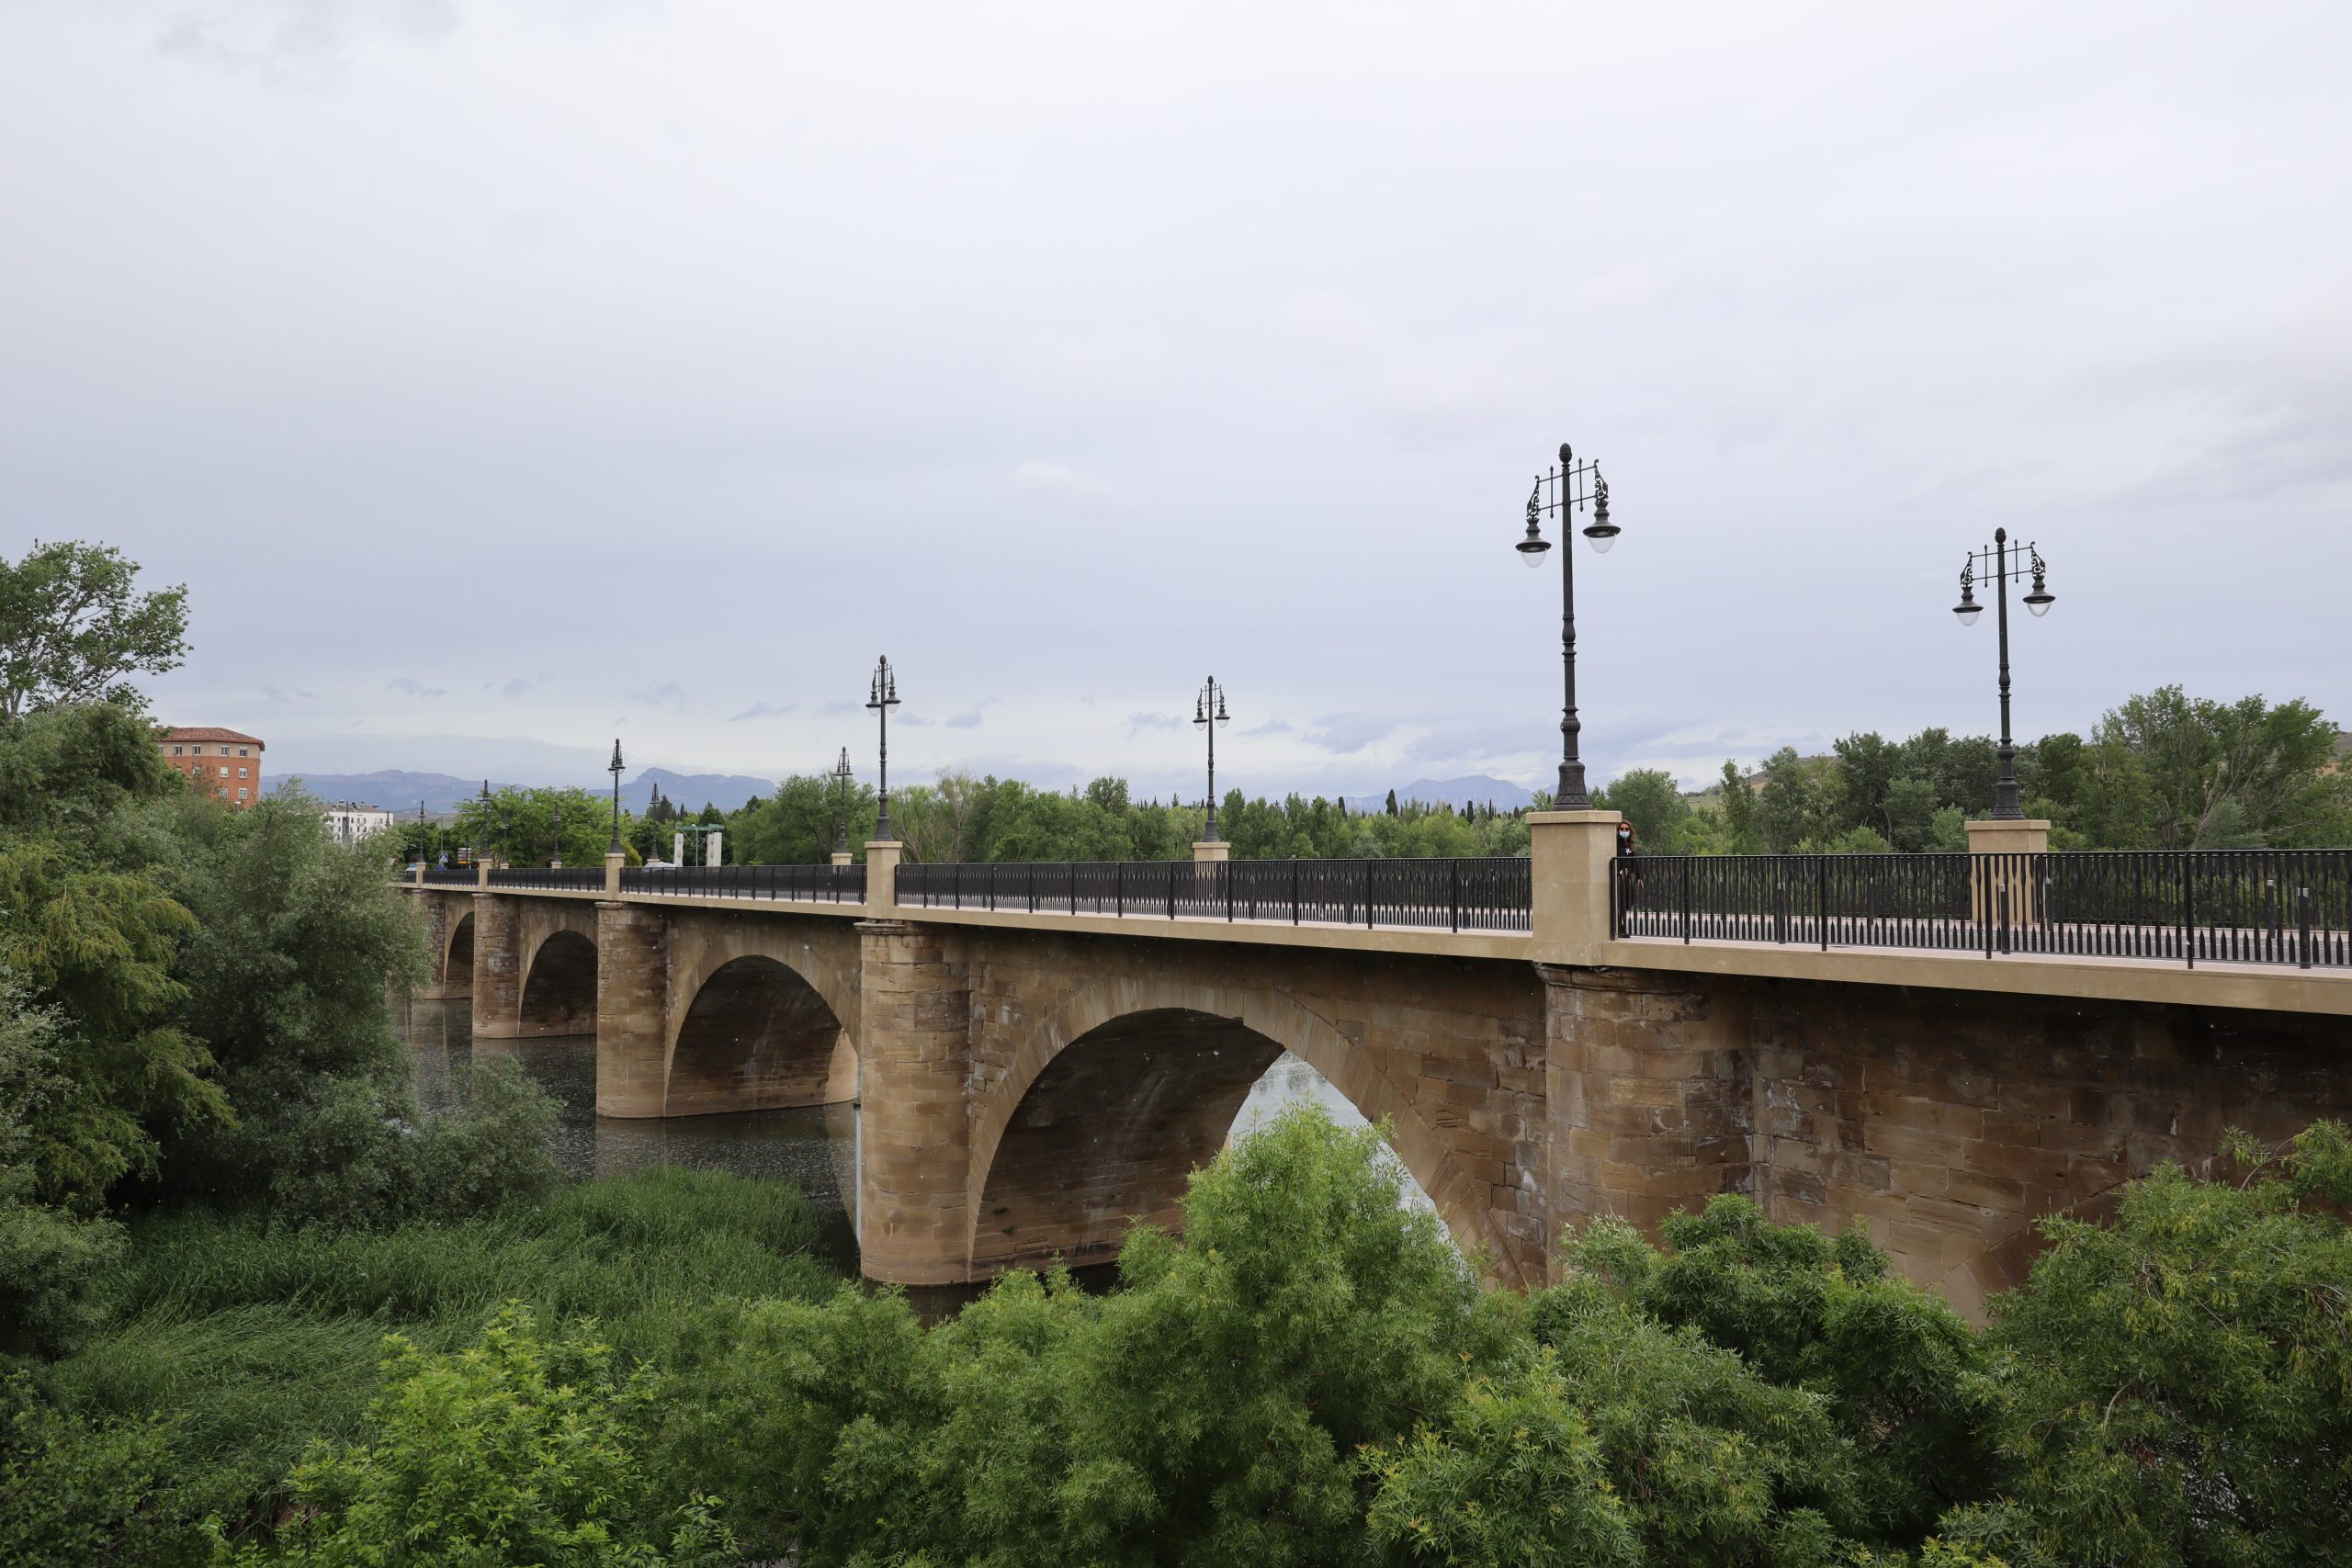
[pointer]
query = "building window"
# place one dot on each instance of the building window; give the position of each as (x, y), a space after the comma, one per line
(179, 751)
(243, 752)
(224, 770)
(241, 772)
(240, 793)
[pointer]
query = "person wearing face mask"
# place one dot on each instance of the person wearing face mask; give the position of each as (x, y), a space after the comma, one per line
(1629, 881)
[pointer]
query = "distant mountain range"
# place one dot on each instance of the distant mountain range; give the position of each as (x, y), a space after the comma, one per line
(442, 793)
(1501, 793)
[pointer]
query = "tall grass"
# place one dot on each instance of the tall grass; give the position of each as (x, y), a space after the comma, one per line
(263, 1339)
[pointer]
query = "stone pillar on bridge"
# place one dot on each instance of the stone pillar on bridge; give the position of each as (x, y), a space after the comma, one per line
(613, 865)
(498, 968)
(482, 871)
(1647, 1094)
(914, 1219)
(843, 857)
(632, 1009)
(882, 856)
(2011, 883)
(1207, 852)
(1570, 856)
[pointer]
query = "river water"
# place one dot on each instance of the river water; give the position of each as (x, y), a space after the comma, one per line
(815, 1148)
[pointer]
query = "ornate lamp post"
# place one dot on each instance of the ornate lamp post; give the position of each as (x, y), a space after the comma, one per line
(840, 783)
(1570, 487)
(423, 850)
(2000, 563)
(614, 768)
(482, 853)
(1209, 715)
(882, 697)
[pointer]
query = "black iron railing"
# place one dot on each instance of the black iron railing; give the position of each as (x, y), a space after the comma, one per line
(551, 879)
(791, 884)
(1445, 895)
(451, 877)
(2290, 906)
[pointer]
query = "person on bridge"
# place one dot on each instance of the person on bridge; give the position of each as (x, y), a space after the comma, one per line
(1629, 879)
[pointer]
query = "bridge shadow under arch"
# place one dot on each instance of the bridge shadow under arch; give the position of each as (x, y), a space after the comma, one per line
(757, 1036)
(560, 990)
(458, 959)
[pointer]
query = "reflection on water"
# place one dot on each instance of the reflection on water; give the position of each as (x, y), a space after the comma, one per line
(816, 1147)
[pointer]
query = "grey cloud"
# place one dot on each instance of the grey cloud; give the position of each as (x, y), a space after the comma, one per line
(836, 709)
(1065, 486)
(409, 686)
(964, 721)
(520, 685)
(669, 693)
(278, 694)
(761, 710)
(1139, 722)
(914, 720)
(1272, 726)
(1347, 733)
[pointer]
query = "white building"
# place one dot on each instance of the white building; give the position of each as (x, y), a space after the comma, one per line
(347, 824)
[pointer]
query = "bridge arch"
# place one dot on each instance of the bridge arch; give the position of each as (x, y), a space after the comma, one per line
(560, 986)
(458, 957)
(1177, 1055)
(756, 1035)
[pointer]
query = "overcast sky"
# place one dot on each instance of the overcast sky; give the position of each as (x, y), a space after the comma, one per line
(501, 378)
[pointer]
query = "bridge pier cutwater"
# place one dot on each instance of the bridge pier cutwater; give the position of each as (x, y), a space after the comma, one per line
(1029, 1081)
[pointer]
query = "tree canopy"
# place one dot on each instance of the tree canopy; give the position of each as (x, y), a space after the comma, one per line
(72, 629)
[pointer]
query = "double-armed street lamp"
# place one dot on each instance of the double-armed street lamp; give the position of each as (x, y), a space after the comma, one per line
(841, 782)
(614, 768)
(423, 850)
(1570, 488)
(482, 852)
(1209, 716)
(882, 696)
(2001, 563)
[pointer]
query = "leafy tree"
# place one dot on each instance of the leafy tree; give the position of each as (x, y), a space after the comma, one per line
(2207, 771)
(1866, 771)
(524, 1449)
(70, 629)
(48, 1258)
(1210, 1412)
(89, 923)
(1906, 1381)
(1652, 801)
(1739, 812)
(1789, 806)
(2182, 1382)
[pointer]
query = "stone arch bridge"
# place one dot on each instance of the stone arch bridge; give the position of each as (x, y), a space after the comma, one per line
(1032, 1073)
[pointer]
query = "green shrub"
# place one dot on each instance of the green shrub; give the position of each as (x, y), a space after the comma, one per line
(521, 1449)
(82, 1493)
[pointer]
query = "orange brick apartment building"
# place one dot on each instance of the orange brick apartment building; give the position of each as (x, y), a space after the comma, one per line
(223, 761)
